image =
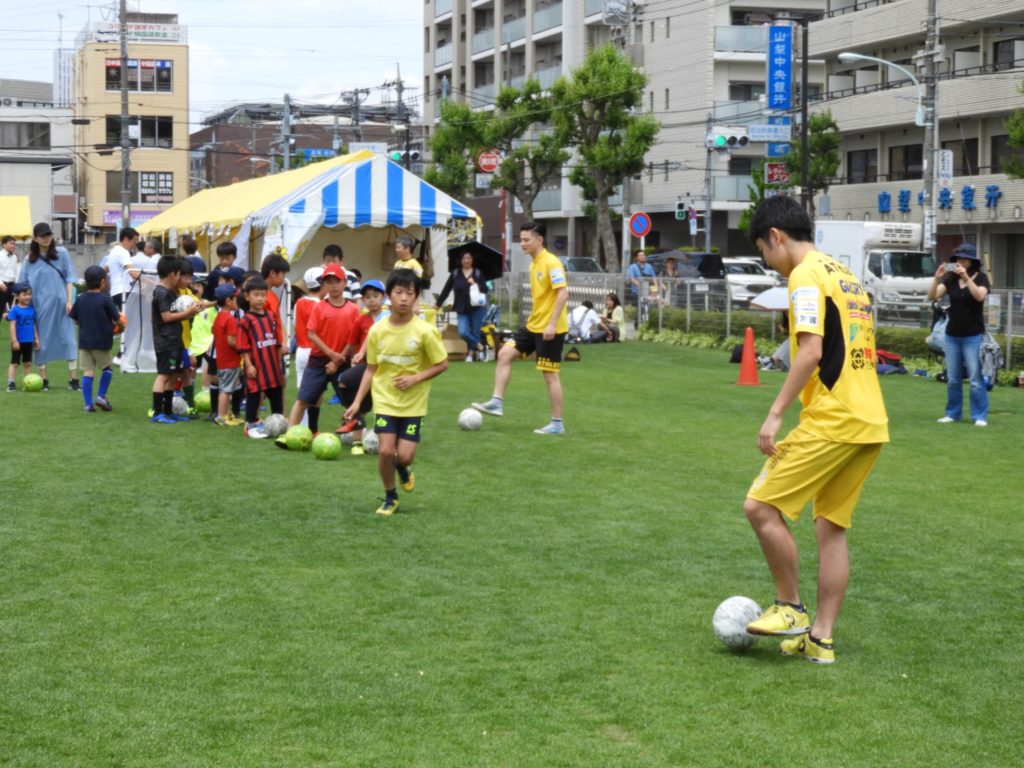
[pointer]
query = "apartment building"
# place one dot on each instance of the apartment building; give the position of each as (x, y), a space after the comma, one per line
(158, 130)
(706, 59)
(980, 67)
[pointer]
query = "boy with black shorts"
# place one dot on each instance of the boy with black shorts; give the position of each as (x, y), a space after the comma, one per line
(545, 329)
(24, 331)
(403, 353)
(167, 338)
(260, 339)
(843, 425)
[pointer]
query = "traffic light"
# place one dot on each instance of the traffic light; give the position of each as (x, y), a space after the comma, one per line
(682, 211)
(724, 138)
(399, 156)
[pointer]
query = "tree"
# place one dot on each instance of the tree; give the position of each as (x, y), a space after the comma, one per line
(1015, 130)
(528, 164)
(756, 191)
(594, 114)
(823, 151)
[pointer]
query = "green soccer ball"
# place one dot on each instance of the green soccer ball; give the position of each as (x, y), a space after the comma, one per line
(326, 446)
(33, 382)
(203, 404)
(298, 438)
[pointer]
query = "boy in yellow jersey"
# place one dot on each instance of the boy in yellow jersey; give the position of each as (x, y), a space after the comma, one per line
(403, 353)
(843, 425)
(544, 332)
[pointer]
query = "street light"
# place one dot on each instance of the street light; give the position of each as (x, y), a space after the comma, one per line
(920, 119)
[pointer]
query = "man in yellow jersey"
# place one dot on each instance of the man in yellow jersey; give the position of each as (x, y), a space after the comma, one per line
(544, 332)
(843, 425)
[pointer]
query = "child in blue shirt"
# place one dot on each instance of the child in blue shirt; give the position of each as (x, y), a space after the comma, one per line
(97, 318)
(24, 332)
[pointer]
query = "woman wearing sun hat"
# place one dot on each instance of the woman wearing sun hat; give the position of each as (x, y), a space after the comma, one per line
(967, 287)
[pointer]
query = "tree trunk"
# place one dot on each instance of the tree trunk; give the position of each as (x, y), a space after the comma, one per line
(606, 234)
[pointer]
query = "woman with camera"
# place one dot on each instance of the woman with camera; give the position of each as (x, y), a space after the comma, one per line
(967, 286)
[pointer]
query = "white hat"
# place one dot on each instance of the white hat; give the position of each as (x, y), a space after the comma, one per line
(312, 277)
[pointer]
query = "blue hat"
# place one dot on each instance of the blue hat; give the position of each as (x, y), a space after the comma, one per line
(966, 251)
(17, 288)
(225, 291)
(377, 285)
(95, 273)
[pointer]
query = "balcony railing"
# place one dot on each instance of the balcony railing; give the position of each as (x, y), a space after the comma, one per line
(741, 39)
(441, 7)
(443, 55)
(484, 95)
(732, 187)
(548, 75)
(514, 30)
(483, 40)
(738, 112)
(547, 18)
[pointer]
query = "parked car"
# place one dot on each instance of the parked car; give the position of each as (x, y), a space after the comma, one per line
(581, 264)
(747, 279)
(690, 264)
(760, 262)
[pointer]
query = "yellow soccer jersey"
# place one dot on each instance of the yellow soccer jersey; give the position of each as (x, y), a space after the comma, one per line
(399, 350)
(842, 402)
(412, 264)
(547, 275)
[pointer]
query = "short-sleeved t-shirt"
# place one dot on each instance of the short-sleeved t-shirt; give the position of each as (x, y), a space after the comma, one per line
(547, 276)
(258, 336)
(363, 325)
(334, 325)
(24, 319)
(842, 401)
(95, 314)
(303, 310)
(166, 336)
(399, 350)
(966, 313)
(118, 262)
(223, 326)
(412, 264)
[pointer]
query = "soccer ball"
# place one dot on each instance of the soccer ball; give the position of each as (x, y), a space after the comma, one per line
(275, 425)
(346, 439)
(731, 619)
(203, 402)
(33, 382)
(298, 438)
(183, 302)
(470, 419)
(326, 446)
(371, 443)
(180, 406)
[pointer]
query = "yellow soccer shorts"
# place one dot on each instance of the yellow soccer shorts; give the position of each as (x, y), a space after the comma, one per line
(806, 467)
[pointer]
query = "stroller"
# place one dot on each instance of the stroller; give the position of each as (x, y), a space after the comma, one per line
(991, 354)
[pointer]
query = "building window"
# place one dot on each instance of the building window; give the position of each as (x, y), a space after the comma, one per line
(1002, 151)
(965, 156)
(145, 131)
(741, 166)
(862, 166)
(145, 75)
(905, 162)
(24, 135)
(745, 91)
(1004, 53)
(146, 187)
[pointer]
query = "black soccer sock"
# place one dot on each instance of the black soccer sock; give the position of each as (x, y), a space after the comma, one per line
(403, 471)
(391, 493)
(313, 418)
(158, 403)
(797, 606)
(168, 402)
(214, 397)
(190, 395)
(236, 401)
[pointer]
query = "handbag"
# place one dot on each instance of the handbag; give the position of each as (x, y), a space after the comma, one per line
(477, 298)
(936, 340)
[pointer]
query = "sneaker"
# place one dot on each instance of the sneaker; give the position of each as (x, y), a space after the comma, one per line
(73, 385)
(492, 407)
(220, 421)
(780, 619)
(281, 442)
(255, 431)
(181, 417)
(103, 404)
(388, 508)
(349, 426)
(46, 385)
(233, 421)
(162, 419)
(946, 420)
(211, 417)
(334, 401)
(469, 357)
(193, 413)
(358, 450)
(981, 423)
(408, 481)
(819, 651)
(10, 386)
(90, 409)
(550, 429)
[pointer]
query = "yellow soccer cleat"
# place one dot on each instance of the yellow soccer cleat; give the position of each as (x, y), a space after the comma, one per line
(819, 651)
(388, 508)
(780, 619)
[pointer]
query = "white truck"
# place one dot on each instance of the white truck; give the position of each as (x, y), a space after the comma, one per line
(885, 256)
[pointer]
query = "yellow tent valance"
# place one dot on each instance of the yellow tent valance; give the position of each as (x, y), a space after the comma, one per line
(15, 216)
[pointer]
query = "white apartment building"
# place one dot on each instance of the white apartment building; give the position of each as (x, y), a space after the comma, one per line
(700, 59)
(980, 68)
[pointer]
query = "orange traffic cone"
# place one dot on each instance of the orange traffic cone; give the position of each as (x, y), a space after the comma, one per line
(748, 363)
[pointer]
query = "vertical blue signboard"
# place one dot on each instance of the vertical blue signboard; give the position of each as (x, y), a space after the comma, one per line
(779, 83)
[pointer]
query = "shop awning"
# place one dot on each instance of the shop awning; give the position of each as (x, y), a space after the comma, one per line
(15, 216)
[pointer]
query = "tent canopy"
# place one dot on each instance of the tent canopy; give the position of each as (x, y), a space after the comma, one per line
(15, 216)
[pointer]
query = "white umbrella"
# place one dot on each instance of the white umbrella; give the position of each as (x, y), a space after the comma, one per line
(774, 300)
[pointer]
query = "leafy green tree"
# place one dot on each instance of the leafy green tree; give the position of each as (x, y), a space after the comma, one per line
(594, 114)
(1015, 130)
(823, 152)
(756, 191)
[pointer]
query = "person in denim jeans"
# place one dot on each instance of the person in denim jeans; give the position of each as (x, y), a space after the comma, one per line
(967, 287)
(471, 317)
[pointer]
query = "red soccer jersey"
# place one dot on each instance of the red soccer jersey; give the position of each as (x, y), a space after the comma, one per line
(333, 325)
(273, 307)
(363, 325)
(225, 325)
(303, 310)
(258, 337)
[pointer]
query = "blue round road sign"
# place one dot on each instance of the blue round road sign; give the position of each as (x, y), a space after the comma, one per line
(640, 224)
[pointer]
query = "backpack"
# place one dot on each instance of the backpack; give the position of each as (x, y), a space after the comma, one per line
(991, 360)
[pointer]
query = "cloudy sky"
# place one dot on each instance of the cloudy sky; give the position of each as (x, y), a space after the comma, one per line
(246, 50)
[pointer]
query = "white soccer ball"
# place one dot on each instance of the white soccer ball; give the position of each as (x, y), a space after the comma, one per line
(180, 406)
(183, 302)
(371, 443)
(731, 619)
(346, 438)
(471, 419)
(275, 425)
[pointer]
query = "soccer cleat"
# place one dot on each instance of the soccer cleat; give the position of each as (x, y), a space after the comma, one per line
(46, 385)
(10, 386)
(780, 619)
(221, 421)
(179, 417)
(234, 421)
(103, 404)
(90, 409)
(210, 417)
(349, 426)
(408, 480)
(981, 423)
(334, 400)
(819, 651)
(162, 419)
(358, 450)
(281, 442)
(389, 507)
(256, 431)
(550, 429)
(73, 385)
(492, 407)
(946, 420)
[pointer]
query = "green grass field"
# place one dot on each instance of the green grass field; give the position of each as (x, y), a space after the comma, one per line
(178, 596)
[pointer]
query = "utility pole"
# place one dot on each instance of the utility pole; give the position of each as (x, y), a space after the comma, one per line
(286, 133)
(805, 161)
(931, 125)
(126, 185)
(627, 236)
(708, 183)
(401, 115)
